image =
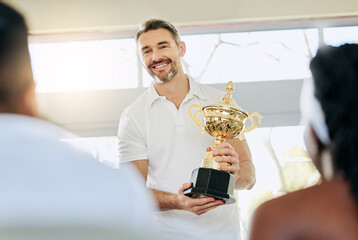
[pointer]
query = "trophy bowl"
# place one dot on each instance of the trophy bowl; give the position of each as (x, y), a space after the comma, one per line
(222, 121)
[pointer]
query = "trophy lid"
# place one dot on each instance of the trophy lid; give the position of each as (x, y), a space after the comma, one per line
(227, 102)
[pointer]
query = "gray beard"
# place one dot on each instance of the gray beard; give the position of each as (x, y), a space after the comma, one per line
(173, 72)
(170, 76)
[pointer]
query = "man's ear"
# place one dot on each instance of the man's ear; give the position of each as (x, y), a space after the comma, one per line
(182, 48)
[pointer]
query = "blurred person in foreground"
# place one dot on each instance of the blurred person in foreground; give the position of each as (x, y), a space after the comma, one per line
(329, 104)
(49, 190)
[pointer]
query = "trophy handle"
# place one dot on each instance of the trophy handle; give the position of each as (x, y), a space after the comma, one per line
(253, 125)
(194, 118)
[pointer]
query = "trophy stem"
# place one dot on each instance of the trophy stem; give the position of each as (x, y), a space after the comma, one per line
(217, 142)
(209, 160)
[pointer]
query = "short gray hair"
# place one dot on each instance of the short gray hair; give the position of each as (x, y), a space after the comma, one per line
(154, 24)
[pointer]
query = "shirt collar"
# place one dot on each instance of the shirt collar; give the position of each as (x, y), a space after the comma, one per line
(152, 94)
(194, 90)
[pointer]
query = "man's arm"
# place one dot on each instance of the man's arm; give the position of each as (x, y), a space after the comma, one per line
(168, 201)
(237, 153)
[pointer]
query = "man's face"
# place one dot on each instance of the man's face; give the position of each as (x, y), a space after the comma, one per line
(160, 54)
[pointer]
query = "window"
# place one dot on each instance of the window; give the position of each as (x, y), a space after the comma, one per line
(265, 55)
(340, 35)
(282, 165)
(84, 65)
(279, 55)
(249, 56)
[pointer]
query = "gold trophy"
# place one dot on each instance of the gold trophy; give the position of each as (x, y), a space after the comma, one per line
(222, 121)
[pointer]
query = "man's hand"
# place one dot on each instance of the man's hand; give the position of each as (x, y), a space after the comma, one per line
(224, 152)
(196, 205)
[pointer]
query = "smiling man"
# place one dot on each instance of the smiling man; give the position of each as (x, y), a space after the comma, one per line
(162, 69)
(157, 135)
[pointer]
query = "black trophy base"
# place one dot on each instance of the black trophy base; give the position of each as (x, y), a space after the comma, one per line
(212, 183)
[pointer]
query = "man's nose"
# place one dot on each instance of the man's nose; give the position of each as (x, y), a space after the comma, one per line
(156, 55)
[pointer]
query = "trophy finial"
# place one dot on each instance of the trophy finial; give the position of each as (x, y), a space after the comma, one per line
(230, 86)
(227, 98)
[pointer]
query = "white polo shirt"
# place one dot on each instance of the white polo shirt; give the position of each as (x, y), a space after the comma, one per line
(153, 128)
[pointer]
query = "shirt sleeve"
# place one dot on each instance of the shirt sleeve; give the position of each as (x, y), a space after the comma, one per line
(131, 142)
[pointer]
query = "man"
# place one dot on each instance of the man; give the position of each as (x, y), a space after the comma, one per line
(48, 189)
(157, 135)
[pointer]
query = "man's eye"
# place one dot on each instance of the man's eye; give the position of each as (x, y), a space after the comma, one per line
(163, 47)
(145, 52)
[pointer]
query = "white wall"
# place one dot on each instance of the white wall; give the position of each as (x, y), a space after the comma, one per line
(97, 113)
(70, 15)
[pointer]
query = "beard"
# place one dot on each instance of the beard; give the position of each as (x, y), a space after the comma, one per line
(172, 73)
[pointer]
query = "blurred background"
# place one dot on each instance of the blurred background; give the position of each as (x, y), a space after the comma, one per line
(87, 70)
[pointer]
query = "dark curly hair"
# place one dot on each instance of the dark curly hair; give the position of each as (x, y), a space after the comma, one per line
(15, 66)
(335, 74)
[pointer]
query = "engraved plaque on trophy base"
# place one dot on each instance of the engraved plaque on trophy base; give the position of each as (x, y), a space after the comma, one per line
(212, 183)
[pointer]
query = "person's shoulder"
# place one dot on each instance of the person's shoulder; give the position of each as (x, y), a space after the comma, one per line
(134, 114)
(290, 203)
(308, 210)
(320, 196)
(138, 105)
(272, 216)
(210, 88)
(18, 124)
(213, 94)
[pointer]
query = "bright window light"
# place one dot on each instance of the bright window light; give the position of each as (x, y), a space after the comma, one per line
(282, 165)
(249, 56)
(86, 65)
(339, 35)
